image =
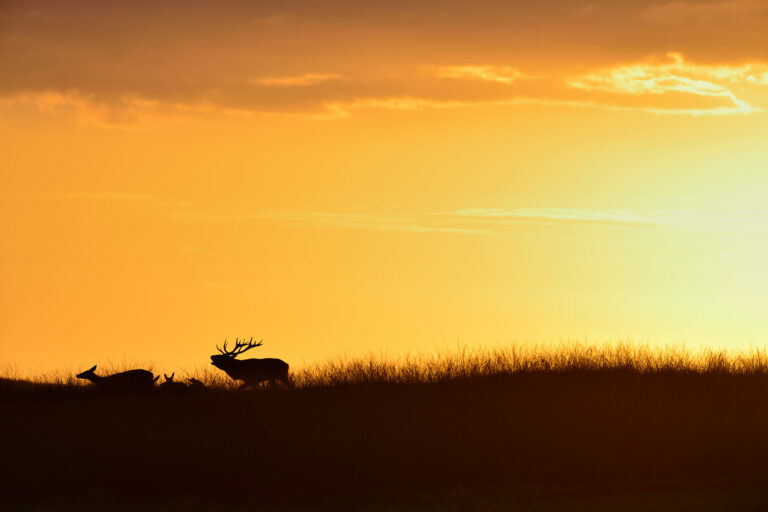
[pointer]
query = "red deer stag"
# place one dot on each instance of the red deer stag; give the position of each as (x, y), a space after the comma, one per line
(250, 371)
(132, 380)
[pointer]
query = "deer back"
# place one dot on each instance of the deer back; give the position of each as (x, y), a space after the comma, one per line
(131, 379)
(248, 369)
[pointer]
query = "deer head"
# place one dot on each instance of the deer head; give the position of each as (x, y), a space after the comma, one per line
(89, 374)
(172, 385)
(222, 360)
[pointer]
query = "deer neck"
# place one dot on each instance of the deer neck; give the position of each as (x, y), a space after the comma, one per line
(96, 379)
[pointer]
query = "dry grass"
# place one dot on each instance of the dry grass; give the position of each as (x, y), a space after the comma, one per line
(477, 363)
(471, 363)
(384, 429)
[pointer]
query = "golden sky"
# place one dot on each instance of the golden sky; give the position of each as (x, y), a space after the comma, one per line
(343, 177)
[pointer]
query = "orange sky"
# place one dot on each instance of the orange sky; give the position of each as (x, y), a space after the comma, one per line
(342, 177)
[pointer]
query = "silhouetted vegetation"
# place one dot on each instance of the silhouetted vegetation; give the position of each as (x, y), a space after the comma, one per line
(474, 430)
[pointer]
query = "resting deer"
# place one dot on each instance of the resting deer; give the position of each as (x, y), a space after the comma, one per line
(250, 371)
(196, 385)
(132, 380)
(171, 385)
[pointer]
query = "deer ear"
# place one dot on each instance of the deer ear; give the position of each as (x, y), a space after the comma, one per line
(93, 369)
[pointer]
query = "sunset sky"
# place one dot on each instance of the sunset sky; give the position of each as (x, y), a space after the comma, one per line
(343, 177)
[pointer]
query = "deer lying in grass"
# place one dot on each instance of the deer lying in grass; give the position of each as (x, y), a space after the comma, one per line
(132, 380)
(171, 385)
(251, 371)
(196, 385)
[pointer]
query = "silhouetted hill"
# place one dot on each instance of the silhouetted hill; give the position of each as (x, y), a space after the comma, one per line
(589, 433)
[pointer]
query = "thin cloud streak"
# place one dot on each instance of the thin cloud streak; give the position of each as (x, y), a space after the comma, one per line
(499, 74)
(296, 81)
(684, 220)
(561, 215)
(677, 13)
(416, 223)
(485, 221)
(586, 10)
(108, 196)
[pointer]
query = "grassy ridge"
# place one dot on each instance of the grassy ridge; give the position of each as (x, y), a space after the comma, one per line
(466, 363)
(482, 363)
(378, 431)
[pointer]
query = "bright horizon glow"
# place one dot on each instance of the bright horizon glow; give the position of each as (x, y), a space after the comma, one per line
(401, 177)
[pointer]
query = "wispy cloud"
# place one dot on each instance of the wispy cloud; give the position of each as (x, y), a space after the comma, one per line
(296, 81)
(499, 74)
(416, 223)
(677, 76)
(466, 221)
(108, 196)
(586, 10)
(127, 112)
(672, 85)
(135, 198)
(340, 110)
(683, 220)
(677, 13)
(479, 221)
(561, 215)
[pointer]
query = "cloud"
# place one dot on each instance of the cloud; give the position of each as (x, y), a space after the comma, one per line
(126, 112)
(678, 13)
(467, 221)
(758, 78)
(147, 64)
(339, 110)
(677, 77)
(500, 74)
(586, 10)
(486, 221)
(107, 196)
(216, 63)
(671, 86)
(298, 80)
(561, 215)
(381, 221)
(754, 222)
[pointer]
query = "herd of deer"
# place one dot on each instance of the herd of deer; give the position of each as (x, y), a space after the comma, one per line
(250, 372)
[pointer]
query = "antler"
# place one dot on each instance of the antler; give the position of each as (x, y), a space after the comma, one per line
(240, 347)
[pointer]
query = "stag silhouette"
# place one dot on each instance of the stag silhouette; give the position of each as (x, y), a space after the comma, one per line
(132, 380)
(250, 371)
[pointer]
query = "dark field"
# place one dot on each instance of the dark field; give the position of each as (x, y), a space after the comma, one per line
(608, 429)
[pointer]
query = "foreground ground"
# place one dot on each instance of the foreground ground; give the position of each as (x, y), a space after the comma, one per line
(576, 436)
